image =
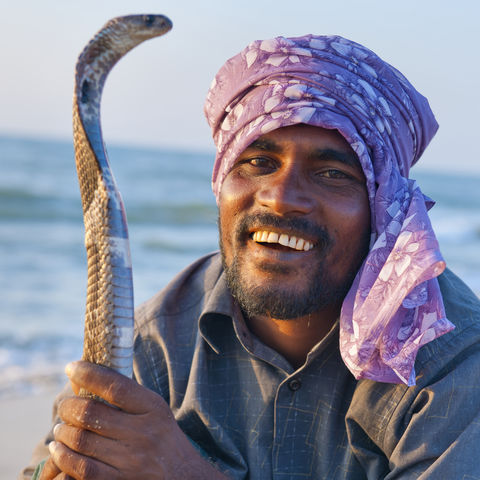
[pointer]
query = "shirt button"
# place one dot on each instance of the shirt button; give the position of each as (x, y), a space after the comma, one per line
(294, 384)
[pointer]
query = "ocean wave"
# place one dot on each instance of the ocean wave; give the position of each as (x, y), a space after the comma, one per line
(191, 214)
(29, 364)
(454, 225)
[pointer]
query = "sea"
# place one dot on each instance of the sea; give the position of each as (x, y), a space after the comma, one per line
(172, 220)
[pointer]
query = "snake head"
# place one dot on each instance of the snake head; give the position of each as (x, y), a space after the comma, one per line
(141, 27)
(117, 37)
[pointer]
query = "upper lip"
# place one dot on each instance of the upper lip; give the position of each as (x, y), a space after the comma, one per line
(286, 238)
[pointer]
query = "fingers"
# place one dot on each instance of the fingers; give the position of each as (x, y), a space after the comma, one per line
(82, 441)
(90, 444)
(113, 387)
(51, 472)
(78, 466)
(95, 416)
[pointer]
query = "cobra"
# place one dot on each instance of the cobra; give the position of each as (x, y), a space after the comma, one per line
(108, 336)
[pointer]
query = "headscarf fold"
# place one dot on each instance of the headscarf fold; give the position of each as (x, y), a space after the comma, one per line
(394, 305)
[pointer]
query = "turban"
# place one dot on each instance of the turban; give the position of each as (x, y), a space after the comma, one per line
(394, 305)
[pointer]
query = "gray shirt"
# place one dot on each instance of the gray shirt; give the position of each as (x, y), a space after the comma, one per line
(255, 417)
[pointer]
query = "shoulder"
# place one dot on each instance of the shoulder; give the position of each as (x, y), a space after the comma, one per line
(460, 302)
(432, 426)
(187, 291)
(462, 308)
(448, 367)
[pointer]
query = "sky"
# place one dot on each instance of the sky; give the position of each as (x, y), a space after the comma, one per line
(154, 96)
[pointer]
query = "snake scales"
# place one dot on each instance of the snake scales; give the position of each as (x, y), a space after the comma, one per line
(109, 306)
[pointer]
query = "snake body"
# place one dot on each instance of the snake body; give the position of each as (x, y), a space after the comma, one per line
(108, 336)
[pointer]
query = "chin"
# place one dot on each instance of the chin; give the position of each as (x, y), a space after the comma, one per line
(279, 298)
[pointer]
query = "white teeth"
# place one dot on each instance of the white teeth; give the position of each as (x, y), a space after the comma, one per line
(283, 239)
(272, 237)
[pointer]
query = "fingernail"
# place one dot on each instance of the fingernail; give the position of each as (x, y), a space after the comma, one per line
(55, 429)
(51, 447)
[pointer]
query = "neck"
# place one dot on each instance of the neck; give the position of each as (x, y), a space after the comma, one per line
(294, 338)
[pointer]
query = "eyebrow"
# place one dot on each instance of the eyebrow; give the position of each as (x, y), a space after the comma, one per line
(347, 158)
(265, 145)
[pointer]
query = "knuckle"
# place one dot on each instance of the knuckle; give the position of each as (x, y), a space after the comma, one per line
(80, 440)
(86, 469)
(84, 412)
(66, 407)
(114, 390)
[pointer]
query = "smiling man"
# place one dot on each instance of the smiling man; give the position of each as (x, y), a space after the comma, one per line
(326, 339)
(294, 230)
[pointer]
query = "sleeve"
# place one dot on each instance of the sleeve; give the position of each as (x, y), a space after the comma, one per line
(40, 453)
(430, 433)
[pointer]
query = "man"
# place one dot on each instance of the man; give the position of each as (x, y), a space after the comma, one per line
(317, 344)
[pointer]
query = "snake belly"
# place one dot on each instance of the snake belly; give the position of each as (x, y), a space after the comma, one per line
(108, 338)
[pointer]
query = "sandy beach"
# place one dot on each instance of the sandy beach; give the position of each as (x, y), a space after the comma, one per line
(23, 422)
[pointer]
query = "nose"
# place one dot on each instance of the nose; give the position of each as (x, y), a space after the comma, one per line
(285, 193)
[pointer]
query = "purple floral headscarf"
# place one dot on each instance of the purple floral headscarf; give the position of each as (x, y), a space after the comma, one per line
(394, 305)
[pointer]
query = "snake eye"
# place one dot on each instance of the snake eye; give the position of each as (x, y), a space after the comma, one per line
(149, 19)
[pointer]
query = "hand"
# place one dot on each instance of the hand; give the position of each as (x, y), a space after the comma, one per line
(138, 440)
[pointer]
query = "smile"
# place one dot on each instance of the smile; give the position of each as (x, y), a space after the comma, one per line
(296, 243)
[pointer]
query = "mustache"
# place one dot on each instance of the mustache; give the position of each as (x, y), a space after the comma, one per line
(301, 226)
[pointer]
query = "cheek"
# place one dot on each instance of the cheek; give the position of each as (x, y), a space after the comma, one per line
(364, 216)
(352, 226)
(359, 220)
(225, 230)
(236, 191)
(354, 209)
(236, 197)
(230, 204)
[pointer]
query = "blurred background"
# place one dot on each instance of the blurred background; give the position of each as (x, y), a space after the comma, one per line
(161, 150)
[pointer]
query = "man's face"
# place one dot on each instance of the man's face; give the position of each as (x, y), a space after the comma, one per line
(294, 222)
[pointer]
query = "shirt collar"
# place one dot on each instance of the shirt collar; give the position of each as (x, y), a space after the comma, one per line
(222, 318)
(216, 317)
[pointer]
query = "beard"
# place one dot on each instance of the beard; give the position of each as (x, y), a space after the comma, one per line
(271, 299)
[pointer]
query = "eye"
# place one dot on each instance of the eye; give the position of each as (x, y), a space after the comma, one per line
(257, 165)
(259, 162)
(149, 20)
(332, 173)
